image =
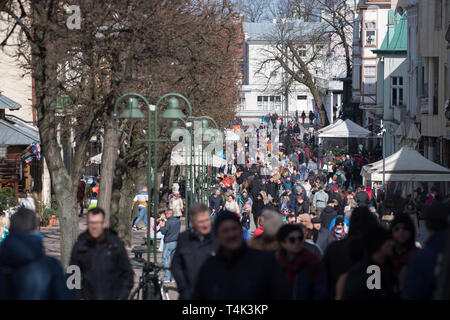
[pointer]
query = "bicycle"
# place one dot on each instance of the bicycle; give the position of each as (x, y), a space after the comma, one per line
(150, 287)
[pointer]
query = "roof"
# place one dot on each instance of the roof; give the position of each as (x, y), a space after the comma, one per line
(344, 129)
(406, 165)
(396, 39)
(7, 103)
(14, 131)
(266, 31)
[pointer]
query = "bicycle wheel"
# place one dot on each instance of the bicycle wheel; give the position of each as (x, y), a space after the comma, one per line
(151, 292)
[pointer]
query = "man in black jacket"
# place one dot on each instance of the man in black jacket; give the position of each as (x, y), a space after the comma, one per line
(229, 276)
(101, 256)
(361, 197)
(216, 202)
(194, 247)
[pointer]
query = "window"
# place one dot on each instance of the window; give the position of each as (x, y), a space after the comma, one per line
(277, 103)
(370, 85)
(242, 104)
(438, 14)
(397, 91)
(320, 48)
(302, 51)
(370, 71)
(370, 37)
(301, 97)
(269, 102)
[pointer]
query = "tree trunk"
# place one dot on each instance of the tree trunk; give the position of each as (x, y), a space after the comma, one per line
(322, 112)
(109, 157)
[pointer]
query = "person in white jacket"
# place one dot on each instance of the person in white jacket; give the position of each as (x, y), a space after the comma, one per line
(231, 204)
(176, 205)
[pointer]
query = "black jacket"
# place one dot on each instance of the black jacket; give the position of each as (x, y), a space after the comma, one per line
(272, 189)
(356, 284)
(324, 236)
(362, 199)
(255, 187)
(233, 278)
(336, 261)
(190, 254)
(105, 267)
(215, 203)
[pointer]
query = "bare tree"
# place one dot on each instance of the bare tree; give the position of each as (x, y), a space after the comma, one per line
(255, 10)
(151, 47)
(300, 51)
(338, 14)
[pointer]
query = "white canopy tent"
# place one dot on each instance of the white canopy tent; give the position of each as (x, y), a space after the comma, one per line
(344, 129)
(331, 126)
(406, 165)
(178, 158)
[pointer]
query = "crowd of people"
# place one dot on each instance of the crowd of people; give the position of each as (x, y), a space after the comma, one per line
(305, 230)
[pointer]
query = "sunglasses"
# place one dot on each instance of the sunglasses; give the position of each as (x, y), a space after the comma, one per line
(292, 240)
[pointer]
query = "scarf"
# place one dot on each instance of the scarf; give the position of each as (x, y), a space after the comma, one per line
(304, 259)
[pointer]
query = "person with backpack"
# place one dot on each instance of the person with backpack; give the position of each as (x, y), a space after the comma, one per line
(26, 272)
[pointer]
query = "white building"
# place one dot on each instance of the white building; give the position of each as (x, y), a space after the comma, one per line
(393, 81)
(260, 91)
(369, 31)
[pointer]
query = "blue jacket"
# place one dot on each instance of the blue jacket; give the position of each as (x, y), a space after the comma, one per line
(419, 277)
(171, 229)
(26, 273)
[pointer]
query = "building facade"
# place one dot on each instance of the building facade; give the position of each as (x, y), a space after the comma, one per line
(260, 90)
(393, 81)
(369, 31)
(429, 59)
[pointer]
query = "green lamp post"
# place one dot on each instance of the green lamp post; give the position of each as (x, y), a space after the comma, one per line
(173, 127)
(133, 112)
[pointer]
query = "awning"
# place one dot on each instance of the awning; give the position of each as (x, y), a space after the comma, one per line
(14, 132)
(7, 103)
(406, 165)
(345, 129)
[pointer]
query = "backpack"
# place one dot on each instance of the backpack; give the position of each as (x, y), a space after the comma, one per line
(339, 180)
(245, 220)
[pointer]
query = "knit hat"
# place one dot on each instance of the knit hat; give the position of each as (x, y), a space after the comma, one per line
(223, 216)
(335, 189)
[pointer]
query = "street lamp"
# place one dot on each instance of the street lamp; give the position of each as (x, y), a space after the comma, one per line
(133, 112)
(187, 191)
(205, 127)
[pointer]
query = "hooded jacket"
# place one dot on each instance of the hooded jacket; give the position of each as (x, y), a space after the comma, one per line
(325, 237)
(27, 273)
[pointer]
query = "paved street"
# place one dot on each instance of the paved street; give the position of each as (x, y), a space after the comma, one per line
(52, 248)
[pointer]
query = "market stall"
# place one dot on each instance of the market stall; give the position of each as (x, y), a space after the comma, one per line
(406, 165)
(340, 133)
